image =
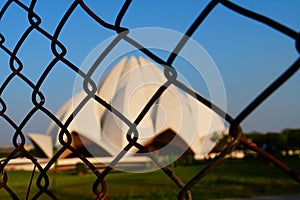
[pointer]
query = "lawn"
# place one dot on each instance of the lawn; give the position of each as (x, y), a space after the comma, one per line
(231, 178)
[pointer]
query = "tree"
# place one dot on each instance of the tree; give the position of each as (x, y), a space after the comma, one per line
(256, 137)
(275, 143)
(293, 138)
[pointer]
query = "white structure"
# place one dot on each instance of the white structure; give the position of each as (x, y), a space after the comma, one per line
(176, 120)
(44, 142)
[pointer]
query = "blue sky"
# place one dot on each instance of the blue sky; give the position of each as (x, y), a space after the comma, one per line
(249, 55)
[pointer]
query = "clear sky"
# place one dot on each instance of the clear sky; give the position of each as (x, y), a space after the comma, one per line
(249, 55)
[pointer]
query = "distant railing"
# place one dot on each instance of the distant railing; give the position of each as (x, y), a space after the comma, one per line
(38, 98)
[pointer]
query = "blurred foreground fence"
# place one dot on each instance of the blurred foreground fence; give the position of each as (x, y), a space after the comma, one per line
(99, 187)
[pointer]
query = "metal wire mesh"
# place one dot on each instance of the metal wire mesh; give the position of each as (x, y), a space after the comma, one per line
(59, 52)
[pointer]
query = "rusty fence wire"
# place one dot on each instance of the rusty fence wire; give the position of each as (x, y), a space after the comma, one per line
(59, 52)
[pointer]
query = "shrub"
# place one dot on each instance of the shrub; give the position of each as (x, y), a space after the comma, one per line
(80, 169)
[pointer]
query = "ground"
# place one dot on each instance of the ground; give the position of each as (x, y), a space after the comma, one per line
(230, 179)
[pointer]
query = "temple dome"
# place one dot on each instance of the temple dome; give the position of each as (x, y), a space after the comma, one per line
(128, 86)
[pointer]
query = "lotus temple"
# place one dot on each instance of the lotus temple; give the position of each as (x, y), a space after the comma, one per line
(176, 123)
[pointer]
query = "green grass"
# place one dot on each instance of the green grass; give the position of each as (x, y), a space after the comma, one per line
(231, 178)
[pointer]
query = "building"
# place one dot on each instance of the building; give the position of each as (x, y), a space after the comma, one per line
(175, 124)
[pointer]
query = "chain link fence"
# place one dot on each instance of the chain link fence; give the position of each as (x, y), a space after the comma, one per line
(59, 52)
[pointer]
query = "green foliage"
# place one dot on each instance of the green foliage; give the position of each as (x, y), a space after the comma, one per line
(4, 154)
(293, 138)
(276, 143)
(222, 143)
(80, 168)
